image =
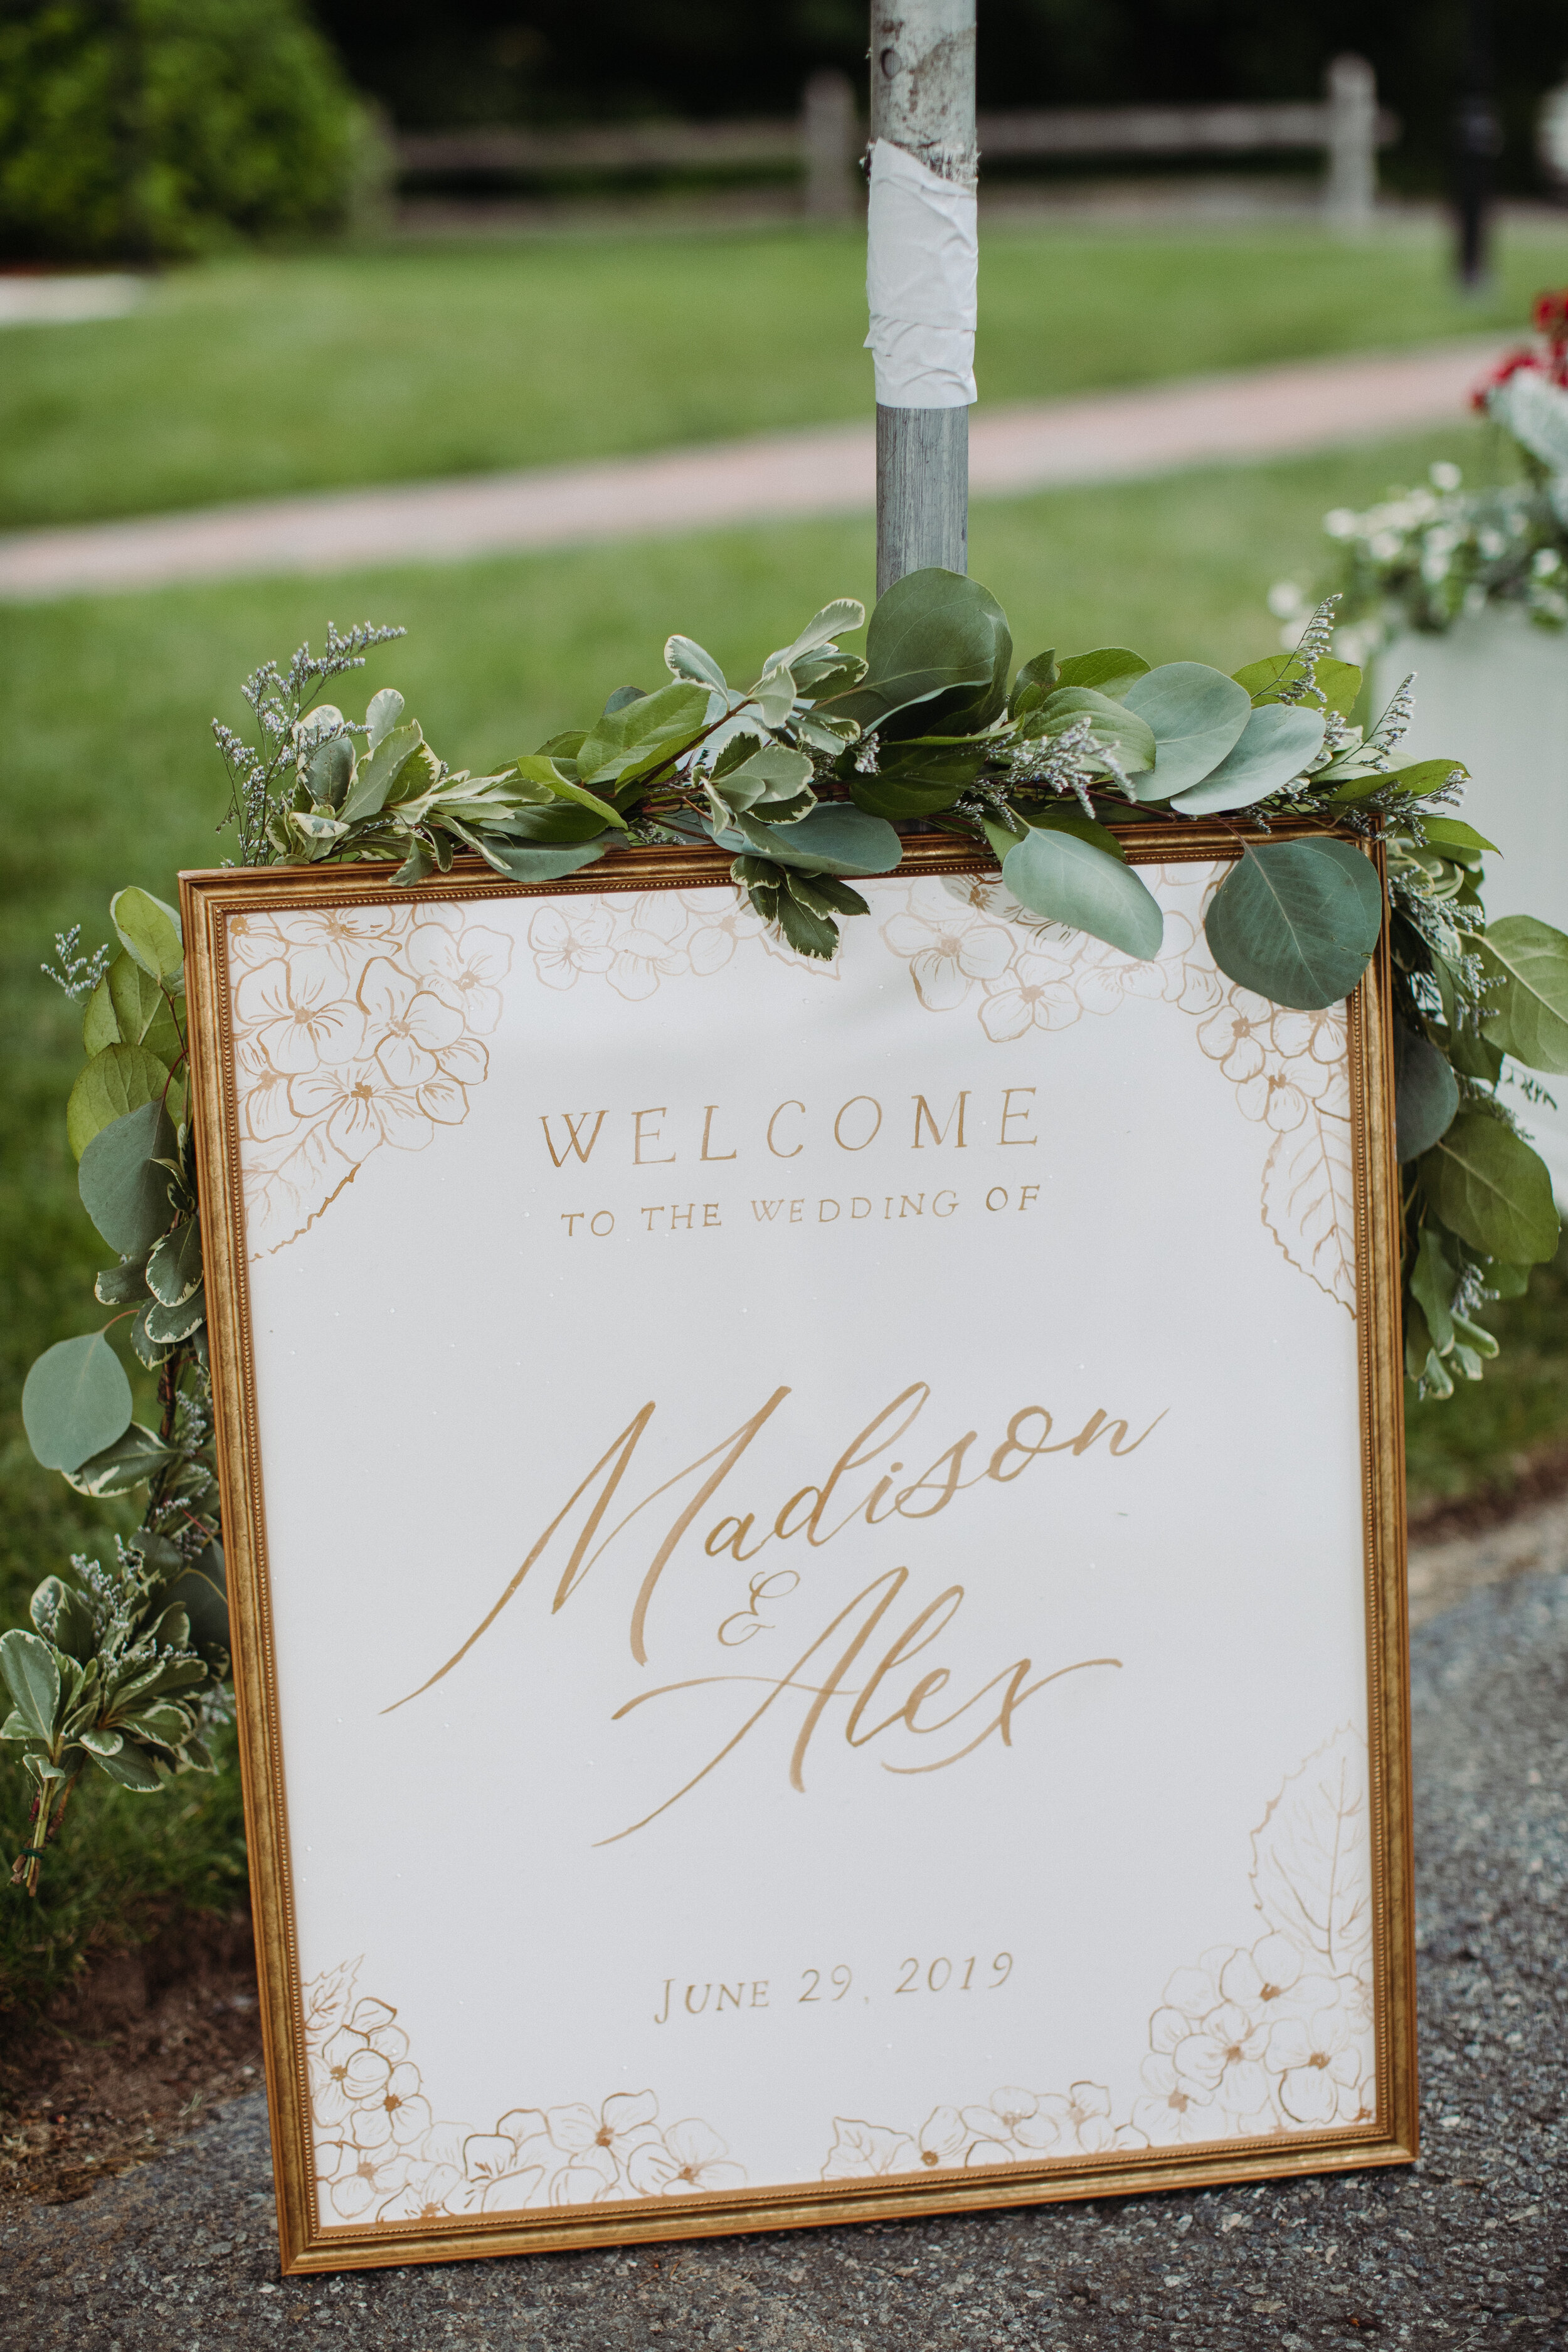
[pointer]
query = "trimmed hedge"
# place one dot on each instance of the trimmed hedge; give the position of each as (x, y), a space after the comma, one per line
(135, 131)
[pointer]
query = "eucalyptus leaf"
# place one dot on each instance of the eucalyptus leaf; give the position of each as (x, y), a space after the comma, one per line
(1109, 669)
(129, 1462)
(1277, 742)
(120, 1079)
(1034, 680)
(149, 933)
(935, 633)
(1426, 1093)
(75, 1401)
(123, 1183)
(1197, 714)
(1060, 874)
(1527, 1016)
(1297, 921)
(129, 1007)
(1489, 1187)
(1129, 739)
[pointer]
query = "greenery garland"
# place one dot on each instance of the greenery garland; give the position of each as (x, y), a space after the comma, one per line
(809, 776)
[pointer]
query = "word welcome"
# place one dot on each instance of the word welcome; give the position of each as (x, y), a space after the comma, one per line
(652, 1138)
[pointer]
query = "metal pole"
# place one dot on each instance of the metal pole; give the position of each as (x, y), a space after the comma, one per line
(922, 100)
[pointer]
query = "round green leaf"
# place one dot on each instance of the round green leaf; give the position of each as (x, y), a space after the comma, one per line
(120, 1079)
(1426, 1093)
(935, 633)
(149, 933)
(75, 1401)
(1487, 1185)
(526, 865)
(1056, 874)
(1197, 714)
(1529, 1014)
(122, 1188)
(1297, 921)
(1275, 745)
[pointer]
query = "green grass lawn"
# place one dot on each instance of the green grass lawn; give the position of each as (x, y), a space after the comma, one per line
(108, 776)
(262, 375)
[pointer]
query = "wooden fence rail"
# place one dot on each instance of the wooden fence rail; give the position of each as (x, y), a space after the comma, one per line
(823, 142)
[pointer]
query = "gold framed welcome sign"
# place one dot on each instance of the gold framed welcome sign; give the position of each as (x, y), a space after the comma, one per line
(815, 1551)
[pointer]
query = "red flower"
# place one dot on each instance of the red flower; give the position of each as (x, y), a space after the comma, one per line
(1500, 374)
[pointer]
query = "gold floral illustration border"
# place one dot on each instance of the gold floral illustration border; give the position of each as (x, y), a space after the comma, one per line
(1261, 2041)
(208, 900)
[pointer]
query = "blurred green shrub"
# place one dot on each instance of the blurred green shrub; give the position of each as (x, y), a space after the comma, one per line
(136, 130)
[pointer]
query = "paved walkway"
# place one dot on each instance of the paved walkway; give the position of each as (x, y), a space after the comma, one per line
(1463, 2251)
(1112, 436)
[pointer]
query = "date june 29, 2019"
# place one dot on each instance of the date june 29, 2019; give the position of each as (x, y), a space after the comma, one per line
(969, 1974)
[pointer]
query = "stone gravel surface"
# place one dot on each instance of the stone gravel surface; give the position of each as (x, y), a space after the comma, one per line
(1466, 2247)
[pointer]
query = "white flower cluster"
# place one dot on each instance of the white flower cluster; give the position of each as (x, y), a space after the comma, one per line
(1424, 556)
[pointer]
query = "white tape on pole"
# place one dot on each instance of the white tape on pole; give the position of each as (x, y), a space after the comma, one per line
(922, 259)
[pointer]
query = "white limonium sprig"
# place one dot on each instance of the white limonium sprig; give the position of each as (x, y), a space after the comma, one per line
(77, 974)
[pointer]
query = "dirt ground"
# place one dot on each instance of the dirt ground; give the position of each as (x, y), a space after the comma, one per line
(127, 2062)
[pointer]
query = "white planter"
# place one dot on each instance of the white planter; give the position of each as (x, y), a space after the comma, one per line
(1494, 693)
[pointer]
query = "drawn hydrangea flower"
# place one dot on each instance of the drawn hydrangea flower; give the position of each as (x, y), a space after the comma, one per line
(296, 1016)
(569, 936)
(1036, 991)
(462, 961)
(948, 949)
(1170, 2110)
(1317, 2060)
(689, 2156)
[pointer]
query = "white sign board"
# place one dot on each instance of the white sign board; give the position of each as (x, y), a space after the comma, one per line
(815, 1552)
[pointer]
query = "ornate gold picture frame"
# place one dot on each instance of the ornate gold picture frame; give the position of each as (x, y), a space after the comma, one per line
(587, 1762)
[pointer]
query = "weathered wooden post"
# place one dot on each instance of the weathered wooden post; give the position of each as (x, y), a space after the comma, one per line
(1350, 195)
(921, 279)
(829, 136)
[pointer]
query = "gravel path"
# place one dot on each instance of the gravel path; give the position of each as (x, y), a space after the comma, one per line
(1465, 2248)
(1109, 437)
